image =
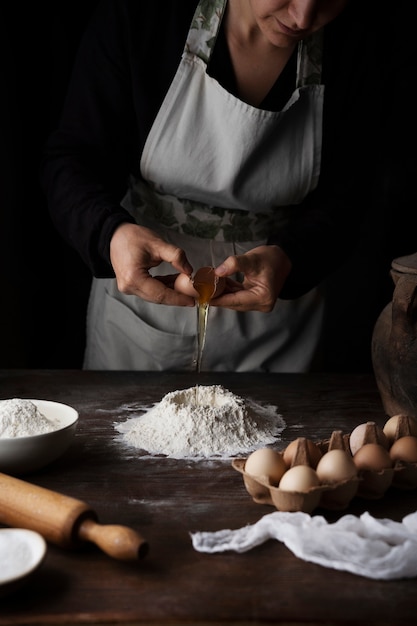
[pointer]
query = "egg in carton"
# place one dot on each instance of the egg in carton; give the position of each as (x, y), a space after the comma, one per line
(401, 432)
(337, 470)
(370, 452)
(287, 480)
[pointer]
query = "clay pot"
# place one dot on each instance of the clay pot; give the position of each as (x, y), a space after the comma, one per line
(394, 344)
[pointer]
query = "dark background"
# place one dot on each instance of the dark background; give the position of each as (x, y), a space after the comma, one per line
(44, 285)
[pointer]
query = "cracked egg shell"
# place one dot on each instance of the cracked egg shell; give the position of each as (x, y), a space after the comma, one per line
(203, 285)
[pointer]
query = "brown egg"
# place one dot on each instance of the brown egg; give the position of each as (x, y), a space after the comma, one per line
(336, 466)
(391, 425)
(372, 456)
(404, 449)
(299, 478)
(266, 463)
(313, 452)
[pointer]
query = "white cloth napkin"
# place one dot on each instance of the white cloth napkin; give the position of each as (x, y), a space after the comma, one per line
(370, 547)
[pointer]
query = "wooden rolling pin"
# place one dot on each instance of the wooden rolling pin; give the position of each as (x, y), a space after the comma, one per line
(63, 520)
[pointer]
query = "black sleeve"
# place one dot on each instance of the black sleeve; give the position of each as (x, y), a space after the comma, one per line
(120, 76)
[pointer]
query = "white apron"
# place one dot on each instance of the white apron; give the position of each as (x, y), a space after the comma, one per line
(218, 174)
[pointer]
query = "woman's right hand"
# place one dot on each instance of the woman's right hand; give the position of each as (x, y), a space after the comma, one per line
(134, 250)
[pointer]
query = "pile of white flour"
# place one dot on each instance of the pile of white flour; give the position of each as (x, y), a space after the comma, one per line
(203, 422)
(22, 418)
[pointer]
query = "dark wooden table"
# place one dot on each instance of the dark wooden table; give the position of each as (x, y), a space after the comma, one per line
(166, 499)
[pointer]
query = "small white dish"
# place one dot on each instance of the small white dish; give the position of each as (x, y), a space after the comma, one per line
(22, 455)
(21, 553)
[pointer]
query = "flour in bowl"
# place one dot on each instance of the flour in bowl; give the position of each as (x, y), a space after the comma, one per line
(14, 557)
(203, 422)
(22, 418)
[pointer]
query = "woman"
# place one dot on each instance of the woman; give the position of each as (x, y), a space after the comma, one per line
(244, 130)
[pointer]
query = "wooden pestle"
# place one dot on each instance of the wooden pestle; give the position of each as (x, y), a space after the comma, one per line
(63, 520)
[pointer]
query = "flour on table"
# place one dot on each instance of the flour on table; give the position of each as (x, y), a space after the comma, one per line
(203, 422)
(22, 418)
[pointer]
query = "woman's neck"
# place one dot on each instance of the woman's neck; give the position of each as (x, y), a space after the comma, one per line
(257, 63)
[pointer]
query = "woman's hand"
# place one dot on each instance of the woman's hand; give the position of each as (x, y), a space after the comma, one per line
(264, 270)
(133, 251)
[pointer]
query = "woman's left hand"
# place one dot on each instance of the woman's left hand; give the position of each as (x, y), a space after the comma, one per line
(264, 270)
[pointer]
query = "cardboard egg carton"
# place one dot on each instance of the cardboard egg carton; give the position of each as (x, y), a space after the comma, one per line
(374, 483)
(369, 484)
(335, 495)
(402, 475)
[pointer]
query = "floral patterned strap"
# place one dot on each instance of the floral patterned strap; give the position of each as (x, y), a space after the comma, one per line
(204, 28)
(309, 60)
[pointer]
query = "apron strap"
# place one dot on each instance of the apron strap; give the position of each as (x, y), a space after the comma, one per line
(309, 60)
(205, 28)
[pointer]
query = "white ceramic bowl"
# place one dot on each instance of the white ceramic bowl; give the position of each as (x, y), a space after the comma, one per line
(22, 455)
(21, 553)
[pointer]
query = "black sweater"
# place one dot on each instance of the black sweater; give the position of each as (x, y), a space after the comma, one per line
(127, 59)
